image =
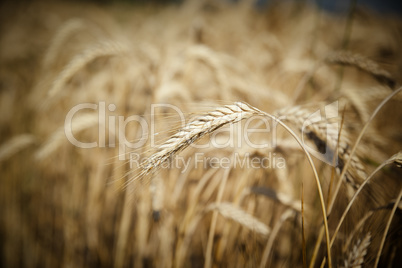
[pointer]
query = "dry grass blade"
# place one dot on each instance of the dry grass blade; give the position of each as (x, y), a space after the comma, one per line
(393, 159)
(81, 122)
(306, 78)
(66, 30)
(317, 247)
(349, 161)
(356, 229)
(208, 257)
(303, 230)
(15, 145)
(268, 249)
(391, 216)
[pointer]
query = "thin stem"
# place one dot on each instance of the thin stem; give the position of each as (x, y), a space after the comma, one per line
(323, 209)
(208, 257)
(377, 260)
(316, 247)
(345, 168)
(287, 214)
(355, 196)
(303, 233)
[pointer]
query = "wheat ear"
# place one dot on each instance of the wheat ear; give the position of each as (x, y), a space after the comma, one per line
(195, 130)
(362, 63)
(358, 252)
(230, 211)
(59, 39)
(103, 49)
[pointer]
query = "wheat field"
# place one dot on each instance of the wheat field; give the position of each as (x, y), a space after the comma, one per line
(200, 134)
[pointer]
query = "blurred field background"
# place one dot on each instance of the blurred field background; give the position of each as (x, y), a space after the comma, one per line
(63, 206)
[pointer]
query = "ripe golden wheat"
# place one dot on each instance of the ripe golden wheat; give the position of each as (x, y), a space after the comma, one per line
(226, 66)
